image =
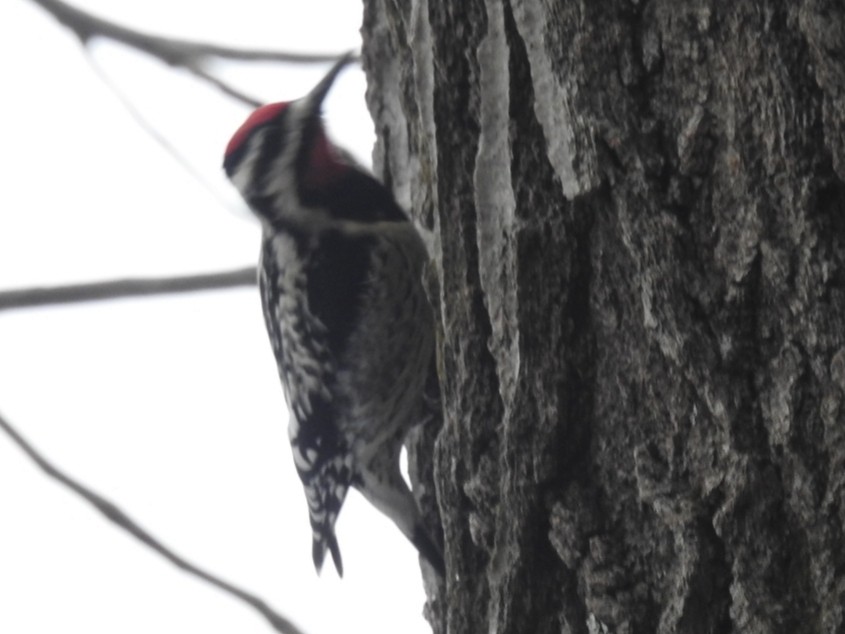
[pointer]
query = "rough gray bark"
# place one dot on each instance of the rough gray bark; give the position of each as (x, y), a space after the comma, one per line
(638, 211)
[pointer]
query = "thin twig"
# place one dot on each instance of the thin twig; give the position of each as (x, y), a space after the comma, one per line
(114, 289)
(226, 89)
(157, 136)
(189, 55)
(117, 516)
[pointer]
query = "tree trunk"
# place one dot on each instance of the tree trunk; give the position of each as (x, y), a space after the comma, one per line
(638, 211)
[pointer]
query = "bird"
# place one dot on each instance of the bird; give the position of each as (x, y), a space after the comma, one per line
(350, 325)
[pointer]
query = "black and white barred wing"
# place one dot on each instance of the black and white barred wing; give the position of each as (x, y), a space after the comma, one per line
(310, 295)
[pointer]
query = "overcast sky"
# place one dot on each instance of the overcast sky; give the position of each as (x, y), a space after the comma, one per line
(169, 407)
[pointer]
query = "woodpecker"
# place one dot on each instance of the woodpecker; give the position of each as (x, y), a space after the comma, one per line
(340, 277)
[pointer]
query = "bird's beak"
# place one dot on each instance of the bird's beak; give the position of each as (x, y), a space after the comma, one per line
(314, 99)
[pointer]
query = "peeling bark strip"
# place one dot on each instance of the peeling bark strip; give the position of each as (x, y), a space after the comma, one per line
(494, 199)
(567, 135)
(638, 221)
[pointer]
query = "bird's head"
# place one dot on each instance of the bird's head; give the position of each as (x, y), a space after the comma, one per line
(282, 149)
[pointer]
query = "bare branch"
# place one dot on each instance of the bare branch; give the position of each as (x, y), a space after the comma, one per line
(114, 289)
(173, 51)
(117, 516)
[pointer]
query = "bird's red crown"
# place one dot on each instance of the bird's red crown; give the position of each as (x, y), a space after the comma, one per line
(259, 117)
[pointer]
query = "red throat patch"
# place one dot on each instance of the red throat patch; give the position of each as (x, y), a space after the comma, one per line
(259, 117)
(324, 164)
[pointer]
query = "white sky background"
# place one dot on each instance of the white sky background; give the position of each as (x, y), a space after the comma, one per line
(170, 407)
